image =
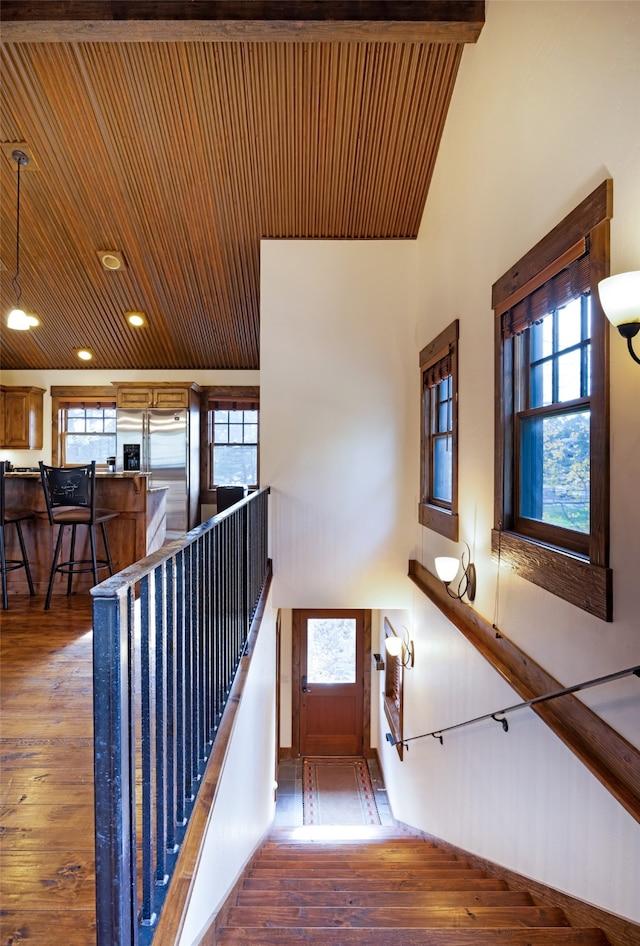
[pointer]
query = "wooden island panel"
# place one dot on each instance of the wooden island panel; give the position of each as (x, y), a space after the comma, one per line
(138, 530)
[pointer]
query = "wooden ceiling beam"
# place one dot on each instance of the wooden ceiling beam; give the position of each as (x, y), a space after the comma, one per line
(424, 21)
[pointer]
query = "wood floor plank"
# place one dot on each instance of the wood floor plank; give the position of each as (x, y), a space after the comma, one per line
(46, 880)
(47, 862)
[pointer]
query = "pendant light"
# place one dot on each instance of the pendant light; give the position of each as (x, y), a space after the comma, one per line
(18, 319)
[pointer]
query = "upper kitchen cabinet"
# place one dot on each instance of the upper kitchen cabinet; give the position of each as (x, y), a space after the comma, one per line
(166, 395)
(21, 417)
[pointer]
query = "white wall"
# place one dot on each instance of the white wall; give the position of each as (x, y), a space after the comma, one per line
(546, 106)
(245, 802)
(510, 167)
(337, 365)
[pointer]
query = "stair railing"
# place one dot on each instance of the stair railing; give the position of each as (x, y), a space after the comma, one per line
(168, 635)
(500, 716)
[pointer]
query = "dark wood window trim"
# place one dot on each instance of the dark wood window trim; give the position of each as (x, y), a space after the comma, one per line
(585, 580)
(63, 395)
(209, 395)
(394, 692)
(441, 353)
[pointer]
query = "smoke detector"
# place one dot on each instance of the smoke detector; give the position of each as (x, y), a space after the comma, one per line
(112, 260)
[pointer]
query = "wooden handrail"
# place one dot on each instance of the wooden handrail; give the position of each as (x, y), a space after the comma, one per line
(607, 754)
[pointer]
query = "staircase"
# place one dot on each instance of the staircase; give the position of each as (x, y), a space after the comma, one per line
(383, 888)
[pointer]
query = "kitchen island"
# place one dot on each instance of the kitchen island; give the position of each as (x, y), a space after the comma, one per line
(139, 529)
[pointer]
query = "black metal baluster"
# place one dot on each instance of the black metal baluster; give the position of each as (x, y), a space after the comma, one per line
(160, 653)
(147, 915)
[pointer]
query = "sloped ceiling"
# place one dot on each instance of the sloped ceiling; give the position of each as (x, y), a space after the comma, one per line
(179, 134)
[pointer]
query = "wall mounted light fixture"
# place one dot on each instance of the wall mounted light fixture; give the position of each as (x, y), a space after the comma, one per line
(620, 299)
(447, 569)
(18, 318)
(401, 647)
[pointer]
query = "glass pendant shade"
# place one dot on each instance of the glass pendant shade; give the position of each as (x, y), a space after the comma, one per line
(620, 298)
(393, 646)
(17, 319)
(447, 568)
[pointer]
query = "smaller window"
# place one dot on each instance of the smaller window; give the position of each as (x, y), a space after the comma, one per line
(234, 447)
(439, 441)
(88, 432)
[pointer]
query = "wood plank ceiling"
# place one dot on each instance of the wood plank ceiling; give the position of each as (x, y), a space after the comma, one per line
(181, 142)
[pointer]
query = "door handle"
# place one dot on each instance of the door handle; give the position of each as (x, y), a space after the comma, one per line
(305, 688)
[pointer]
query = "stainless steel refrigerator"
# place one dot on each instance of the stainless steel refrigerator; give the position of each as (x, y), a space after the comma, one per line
(157, 442)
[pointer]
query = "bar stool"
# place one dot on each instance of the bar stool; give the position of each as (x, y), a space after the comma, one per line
(12, 517)
(70, 496)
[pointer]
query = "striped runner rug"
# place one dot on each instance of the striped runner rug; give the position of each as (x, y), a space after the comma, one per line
(337, 790)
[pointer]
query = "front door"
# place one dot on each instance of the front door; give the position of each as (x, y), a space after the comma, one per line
(330, 679)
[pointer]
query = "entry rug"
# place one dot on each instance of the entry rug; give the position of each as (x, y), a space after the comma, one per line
(337, 790)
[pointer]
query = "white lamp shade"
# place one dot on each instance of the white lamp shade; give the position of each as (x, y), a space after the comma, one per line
(620, 298)
(17, 319)
(447, 568)
(393, 646)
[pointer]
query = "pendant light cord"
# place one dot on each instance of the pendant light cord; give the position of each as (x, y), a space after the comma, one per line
(20, 158)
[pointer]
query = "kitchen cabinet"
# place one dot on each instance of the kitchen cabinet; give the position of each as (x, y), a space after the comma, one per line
(21, 417)
(166, 395)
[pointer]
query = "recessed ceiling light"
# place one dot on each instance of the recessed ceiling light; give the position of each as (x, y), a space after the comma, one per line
(112, 260)
(84, 354)
(136, 318)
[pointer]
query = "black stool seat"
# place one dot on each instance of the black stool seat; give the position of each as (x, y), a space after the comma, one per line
(12, 516)
(70, 495)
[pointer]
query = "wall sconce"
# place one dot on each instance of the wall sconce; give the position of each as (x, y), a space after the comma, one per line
(447, 569)
(401, 647)
(620, 300)
(378, 662)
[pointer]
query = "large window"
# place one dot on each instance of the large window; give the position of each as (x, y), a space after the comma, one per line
(552, 503)
(84, 425)
(439, 440)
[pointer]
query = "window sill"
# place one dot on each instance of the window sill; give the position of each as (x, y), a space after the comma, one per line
(440, 520)
(587, 586)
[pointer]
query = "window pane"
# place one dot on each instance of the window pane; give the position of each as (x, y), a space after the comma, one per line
(82, 448)
(250, 433)
(554, 470)
(221, 433)
(570, 324)
(569, 376)
(331, 650)
(442, 468)
(75, 423)
(221, 417)
(541, 384)
(251, 417)
(235, 433)
(542, 338)
(235, 466)
(236, 417)
(95, 424)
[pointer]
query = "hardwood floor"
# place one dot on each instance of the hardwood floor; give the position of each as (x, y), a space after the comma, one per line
(47, 894)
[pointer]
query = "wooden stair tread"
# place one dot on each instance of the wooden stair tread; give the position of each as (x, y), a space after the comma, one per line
(437, 862)
(405, 936)
(385, 898)
(464, 880)
(426, 917)
(356, 855)
(340, 870)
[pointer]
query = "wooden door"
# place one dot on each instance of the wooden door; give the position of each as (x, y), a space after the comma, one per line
(330, 681)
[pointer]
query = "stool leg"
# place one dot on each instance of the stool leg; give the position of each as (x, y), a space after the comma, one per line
(24, 557)
(56, 555)
(106, 547)
(94, 560)
(3, 563)
(72, 555)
